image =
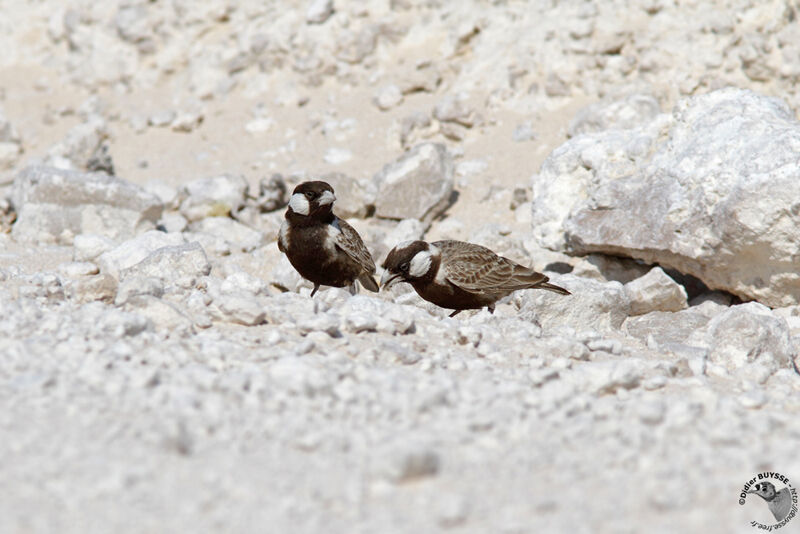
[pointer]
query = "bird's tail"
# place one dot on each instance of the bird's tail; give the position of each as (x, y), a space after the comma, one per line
(554, 288)
(368, 282)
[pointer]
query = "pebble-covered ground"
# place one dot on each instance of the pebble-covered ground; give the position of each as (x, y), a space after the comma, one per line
(164, 369)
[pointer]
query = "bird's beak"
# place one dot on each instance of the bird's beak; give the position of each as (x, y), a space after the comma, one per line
(388, 279)
(326, 198)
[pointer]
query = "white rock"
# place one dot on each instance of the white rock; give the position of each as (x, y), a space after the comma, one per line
(408, 460)
(603, 378)
(655, 291)
(102, 287)
(319, 11)
(161, 119)
(259, 125)
(176, 264)
(87, 247)
(241, 308)
(134, 286)
(238, 235)
(77, 269)
(133, 251)
(213, 197)
(629, 112)
(592, 304)
(55, 205)
(81, 143)
(354, 198)
(337, 156)
(9, 154)
(686, 191)
(750, 333)
(388, 97)
(272, 193)
(418, 185)
(453, 108)
(186, 121)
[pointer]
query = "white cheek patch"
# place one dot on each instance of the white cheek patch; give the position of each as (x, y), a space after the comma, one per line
(326, 198)
(420, 264)
(299, 204)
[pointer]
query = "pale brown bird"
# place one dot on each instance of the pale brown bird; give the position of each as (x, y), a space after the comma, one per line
(458, 275)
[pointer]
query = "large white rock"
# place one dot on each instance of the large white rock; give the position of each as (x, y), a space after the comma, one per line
(711, 190)
(55, 205)
(418, 185)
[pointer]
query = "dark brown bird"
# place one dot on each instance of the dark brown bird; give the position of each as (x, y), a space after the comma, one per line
(458, 275)
(322, 247)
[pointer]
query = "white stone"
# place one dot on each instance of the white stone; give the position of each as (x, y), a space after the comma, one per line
(337, 156)
(686, 191)
(655, 291)
(87, 247)
(175, 264)
(133, 251)
(55, 205)
(750, 333)
(592, 304)
(213, 197)
(388, 97)
(319, 11)
(418, 185)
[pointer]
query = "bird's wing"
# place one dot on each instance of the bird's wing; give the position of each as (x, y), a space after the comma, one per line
(477, 269)
(350, 242)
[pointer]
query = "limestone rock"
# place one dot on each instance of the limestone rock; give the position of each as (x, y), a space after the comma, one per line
(177, 264)
(655, 291)
(135, 250)
(629, 112)
(418, 185)
(690, 191)
(318, 11)
(747, 334)
(354, 198)
(237, 234)
(592, 304)
(214, 197)
(55, 205)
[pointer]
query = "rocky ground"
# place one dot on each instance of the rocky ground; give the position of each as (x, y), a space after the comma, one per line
(163, 368)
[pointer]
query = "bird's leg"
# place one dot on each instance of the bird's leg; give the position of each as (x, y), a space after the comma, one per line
(455, 313)
(490, 307)
(316, 286)
(353, 288)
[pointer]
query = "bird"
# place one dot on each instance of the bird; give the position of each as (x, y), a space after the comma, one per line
(779, 502)
(323, 248)
(459, 275)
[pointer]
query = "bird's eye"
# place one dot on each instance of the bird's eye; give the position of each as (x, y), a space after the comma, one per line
(404, 267)
(310, 195)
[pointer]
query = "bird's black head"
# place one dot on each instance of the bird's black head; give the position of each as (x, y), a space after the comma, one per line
(765, 490)
(312, 199)
(411, 261)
